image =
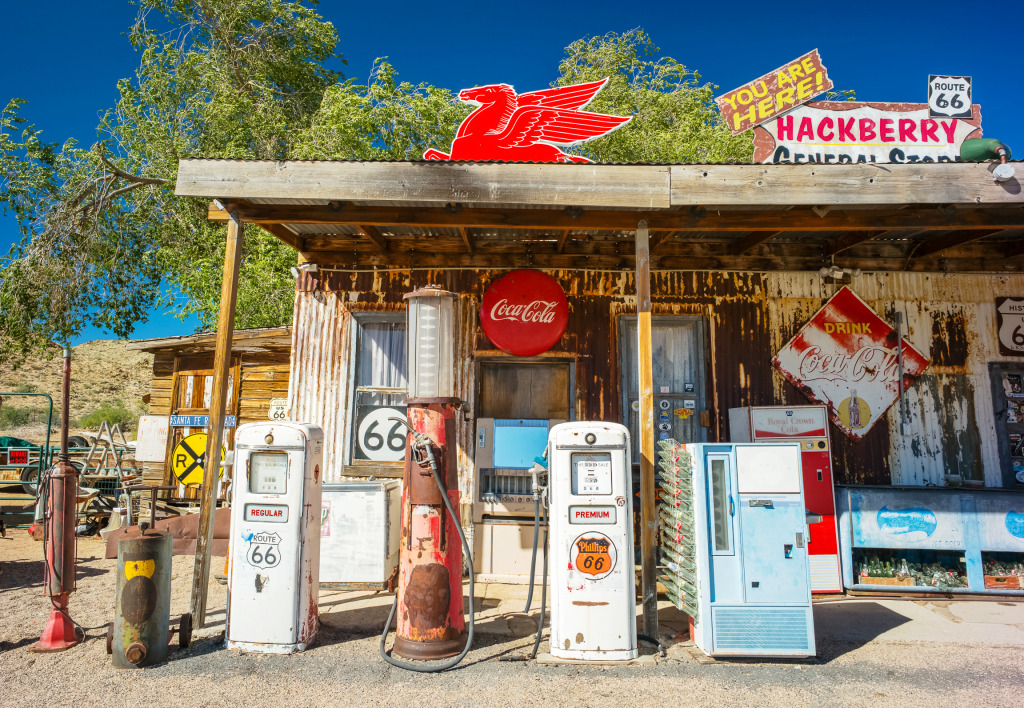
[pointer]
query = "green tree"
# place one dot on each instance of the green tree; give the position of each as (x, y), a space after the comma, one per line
(103, 234)
(675, 119)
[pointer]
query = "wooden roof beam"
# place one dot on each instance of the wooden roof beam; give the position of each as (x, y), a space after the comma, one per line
(467, 238)
(660, 238)
(691, 219)
(947, 241)
(374, 234)
(849, 240)
(563, 239)
(752, 241)
(283, 233)
(1014, 249)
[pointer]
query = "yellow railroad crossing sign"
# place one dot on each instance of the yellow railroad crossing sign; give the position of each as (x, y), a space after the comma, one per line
(188, 458)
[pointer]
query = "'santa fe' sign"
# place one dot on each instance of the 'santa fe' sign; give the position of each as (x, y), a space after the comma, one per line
(846, 358)
(524, 313)
(840, 132)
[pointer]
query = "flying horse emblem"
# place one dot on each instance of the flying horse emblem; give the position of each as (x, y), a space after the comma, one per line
(527, 127)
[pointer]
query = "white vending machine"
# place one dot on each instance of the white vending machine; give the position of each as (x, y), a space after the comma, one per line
(593, 596)
(750, 532)
(274, 565)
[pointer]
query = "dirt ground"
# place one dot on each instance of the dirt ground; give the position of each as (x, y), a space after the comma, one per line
(870, 653)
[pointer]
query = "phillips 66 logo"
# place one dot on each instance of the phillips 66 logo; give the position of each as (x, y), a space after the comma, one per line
(264, 550)
(595, 555)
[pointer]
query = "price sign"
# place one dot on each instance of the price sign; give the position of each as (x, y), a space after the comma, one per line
(278, 409)
(377, 438)
(1010, 322)
(949, 96)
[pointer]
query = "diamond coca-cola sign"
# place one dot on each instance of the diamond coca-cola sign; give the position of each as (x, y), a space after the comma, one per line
(524, 312)
(847, 358)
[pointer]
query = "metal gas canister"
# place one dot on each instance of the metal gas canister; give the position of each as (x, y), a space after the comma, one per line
(140, 632)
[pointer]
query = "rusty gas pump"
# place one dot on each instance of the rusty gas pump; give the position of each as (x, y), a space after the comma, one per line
(60, 569)
(429, 599)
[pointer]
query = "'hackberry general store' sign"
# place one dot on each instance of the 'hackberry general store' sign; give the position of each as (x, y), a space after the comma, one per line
(841, 132)
(846, 358)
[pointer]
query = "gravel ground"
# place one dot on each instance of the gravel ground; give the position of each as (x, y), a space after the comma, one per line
(864, 657)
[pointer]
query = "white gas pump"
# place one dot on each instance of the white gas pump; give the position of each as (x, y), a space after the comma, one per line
(593, 602)
(274, 566)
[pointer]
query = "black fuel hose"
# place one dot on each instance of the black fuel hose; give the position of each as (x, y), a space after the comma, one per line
(533, 556)
(433, 668)
(543, 593)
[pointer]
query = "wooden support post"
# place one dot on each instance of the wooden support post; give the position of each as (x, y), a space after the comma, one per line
(218, 401)
(648, 512)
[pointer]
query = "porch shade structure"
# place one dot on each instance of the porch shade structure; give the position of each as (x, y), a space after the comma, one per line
(639, 219)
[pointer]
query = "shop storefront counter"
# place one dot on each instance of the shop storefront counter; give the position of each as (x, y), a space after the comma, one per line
(967, 532)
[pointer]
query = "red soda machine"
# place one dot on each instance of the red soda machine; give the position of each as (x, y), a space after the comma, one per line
(807, 425)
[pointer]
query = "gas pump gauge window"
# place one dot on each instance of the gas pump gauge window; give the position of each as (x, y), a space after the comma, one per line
(268, 473)
(591, 473)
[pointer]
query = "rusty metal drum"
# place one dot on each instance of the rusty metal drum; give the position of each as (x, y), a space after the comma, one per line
(142, 610)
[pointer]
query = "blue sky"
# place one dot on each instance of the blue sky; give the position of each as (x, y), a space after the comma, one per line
(65, 56)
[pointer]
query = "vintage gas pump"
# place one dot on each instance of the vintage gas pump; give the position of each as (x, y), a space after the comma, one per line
(593, 605)
(429, 599)
(60, 571)
(274, 566)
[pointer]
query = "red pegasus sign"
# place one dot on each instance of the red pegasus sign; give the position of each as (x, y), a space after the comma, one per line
(510, 127)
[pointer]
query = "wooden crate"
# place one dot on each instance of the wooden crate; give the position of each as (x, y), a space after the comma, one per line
(1004, 582)
(885, 581)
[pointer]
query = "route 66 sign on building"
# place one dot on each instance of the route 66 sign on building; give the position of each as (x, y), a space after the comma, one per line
(1010, 323)
(949, 96)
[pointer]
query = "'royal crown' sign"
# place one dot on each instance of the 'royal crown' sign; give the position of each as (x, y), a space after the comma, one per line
(846, 358)
(524, 313)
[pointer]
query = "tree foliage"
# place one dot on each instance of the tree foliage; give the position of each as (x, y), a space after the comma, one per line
(674, 115)
(104, 237)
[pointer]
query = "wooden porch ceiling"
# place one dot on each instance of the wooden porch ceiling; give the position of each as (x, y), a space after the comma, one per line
(923, 217)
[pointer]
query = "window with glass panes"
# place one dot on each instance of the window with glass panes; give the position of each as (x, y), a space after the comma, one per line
(380, 387)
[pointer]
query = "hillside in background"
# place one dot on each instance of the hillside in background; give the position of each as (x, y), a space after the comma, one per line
(107, 383)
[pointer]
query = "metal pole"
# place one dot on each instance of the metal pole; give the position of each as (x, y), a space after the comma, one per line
(218, 401)
(899, 364)
(648, 513)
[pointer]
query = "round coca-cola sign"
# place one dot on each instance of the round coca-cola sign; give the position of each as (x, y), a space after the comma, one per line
(524, 313)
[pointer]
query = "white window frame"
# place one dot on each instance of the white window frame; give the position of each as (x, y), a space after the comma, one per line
(359, 319)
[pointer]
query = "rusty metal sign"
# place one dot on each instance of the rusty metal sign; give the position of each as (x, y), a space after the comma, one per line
(774, 93)
(846, 357)
(847, 131)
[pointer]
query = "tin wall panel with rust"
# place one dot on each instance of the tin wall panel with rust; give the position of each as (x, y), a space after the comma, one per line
(749, 317)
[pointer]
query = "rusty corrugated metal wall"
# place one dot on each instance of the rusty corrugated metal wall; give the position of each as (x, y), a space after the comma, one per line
(951, 318)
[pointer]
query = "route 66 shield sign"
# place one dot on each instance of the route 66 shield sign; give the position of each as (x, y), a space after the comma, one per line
(264, 550)
(1010, 320)
(595, 555)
